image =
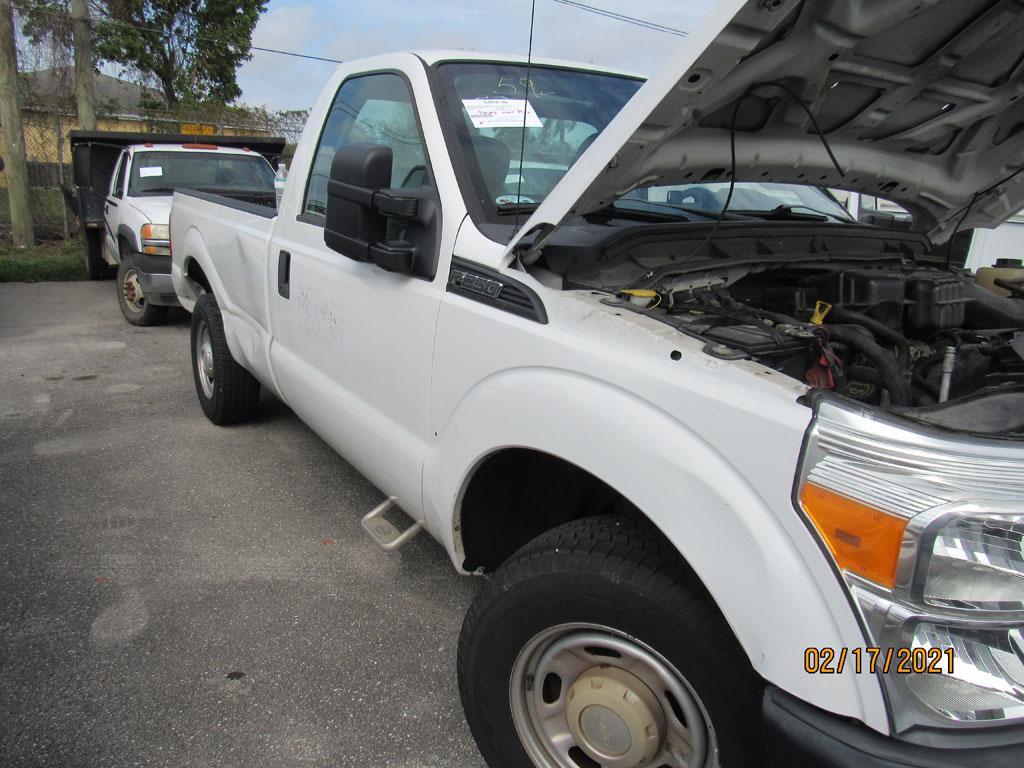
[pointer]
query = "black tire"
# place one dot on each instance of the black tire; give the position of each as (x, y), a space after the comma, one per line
(134, 307)
(96, 266)
(616, 572)
(231, 394)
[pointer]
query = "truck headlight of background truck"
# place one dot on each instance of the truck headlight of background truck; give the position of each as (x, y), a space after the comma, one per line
(926, 529)
(156, 239)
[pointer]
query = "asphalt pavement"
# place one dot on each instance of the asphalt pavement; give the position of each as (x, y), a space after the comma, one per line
(179, 594)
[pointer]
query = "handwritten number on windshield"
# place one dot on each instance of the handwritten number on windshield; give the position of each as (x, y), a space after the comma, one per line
(510, 86)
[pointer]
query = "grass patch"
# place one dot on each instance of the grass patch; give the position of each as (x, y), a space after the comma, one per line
(60, 260)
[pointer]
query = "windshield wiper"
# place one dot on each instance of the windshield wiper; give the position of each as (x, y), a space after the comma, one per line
(702, 212)
(509, 209)
(792, 213)
(636, 214)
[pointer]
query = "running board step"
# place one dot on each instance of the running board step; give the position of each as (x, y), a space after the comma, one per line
(381, 530)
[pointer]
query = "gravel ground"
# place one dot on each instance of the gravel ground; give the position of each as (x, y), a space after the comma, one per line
(185, 595)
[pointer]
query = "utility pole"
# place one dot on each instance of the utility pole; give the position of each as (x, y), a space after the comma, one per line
(13, 134)
(82, 36)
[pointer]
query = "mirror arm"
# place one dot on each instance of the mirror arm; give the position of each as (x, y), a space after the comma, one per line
(384, 201)
(396, 206)
(394, 256)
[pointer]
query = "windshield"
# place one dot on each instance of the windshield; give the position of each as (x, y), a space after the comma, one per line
(563, 111)
(754, 198)
(160, 173)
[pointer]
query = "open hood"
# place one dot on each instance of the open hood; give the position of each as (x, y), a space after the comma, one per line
(922, 102)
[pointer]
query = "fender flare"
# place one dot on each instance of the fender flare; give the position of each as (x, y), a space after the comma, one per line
(763, 568)
(123, 230)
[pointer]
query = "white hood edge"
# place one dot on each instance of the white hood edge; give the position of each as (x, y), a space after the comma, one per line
(922, 102)
(157, 208)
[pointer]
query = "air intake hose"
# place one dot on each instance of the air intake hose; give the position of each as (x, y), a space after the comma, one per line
(878, 330)
(892, 376)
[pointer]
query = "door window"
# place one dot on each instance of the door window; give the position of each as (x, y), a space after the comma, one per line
(119, 178)
(373, 109)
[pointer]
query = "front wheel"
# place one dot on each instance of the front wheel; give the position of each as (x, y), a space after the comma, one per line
(131, 298)
(227, 392)
(592, 648)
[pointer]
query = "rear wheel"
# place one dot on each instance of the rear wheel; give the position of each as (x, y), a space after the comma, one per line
(593, 648)
(227, 392)
(131, 298)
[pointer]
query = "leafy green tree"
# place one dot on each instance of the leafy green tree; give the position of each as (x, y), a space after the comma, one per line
(192, 48)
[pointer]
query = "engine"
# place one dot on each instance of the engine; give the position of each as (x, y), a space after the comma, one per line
(897, 338)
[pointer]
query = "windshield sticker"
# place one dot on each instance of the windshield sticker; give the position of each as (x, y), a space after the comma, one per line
(512, 200)
(501, 113)
(152, 171)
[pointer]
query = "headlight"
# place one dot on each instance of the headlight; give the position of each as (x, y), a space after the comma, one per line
(927, 530)
(156, 239)
(976, 563)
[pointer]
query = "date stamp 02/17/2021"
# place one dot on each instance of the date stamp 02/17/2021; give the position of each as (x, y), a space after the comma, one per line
(902, 661)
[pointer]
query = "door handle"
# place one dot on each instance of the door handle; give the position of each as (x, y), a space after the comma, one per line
(284, 269)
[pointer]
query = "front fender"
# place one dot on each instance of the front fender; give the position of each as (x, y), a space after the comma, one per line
(750, 548)
(129, 234)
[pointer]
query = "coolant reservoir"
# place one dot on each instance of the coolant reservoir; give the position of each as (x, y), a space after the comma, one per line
(1004, 269)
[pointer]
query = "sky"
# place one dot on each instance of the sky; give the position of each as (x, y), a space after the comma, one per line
(350, 29)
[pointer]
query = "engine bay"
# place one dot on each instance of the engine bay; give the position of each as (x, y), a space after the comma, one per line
(898, 331)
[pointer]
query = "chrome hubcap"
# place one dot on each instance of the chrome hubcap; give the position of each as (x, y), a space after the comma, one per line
(587, 695)
(204, 359)
(132, 290)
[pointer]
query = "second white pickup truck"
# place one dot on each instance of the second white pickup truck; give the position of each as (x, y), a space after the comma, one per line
(125, 185)
(747, 476)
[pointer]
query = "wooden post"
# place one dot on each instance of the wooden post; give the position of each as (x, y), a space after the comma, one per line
(82, 35)
(13, 133)
(60, 175)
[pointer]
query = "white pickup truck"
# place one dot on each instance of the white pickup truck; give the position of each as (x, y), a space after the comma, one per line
(746, 476)
(126, 181)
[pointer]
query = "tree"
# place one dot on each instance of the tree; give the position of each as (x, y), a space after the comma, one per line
(191, 48)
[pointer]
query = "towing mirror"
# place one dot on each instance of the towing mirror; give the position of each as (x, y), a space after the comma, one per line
(359, 204)
(82, 162)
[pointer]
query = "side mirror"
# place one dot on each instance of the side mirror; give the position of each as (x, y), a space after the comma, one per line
(359, 204)
(82, 162)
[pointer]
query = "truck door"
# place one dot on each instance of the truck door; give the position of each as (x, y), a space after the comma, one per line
(111, 208)
(353, 343)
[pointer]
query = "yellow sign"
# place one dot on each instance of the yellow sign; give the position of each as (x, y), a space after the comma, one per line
(199, 129)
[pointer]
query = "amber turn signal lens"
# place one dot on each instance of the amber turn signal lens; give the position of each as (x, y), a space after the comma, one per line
(155, 232)
(863, 540)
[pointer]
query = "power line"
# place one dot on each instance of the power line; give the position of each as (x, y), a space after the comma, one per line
(613, 15)
(624, 18)
(106, 19)
(293, 53)
(207, 38)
